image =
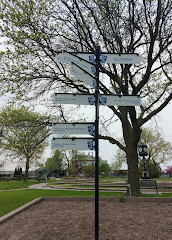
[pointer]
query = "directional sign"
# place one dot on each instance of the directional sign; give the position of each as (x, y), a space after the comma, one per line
(81, 74)
(71, 58)
(115, 58)
(89, 99)
(120, 100)
(72, 144)
(73, 128)
(120, 58)
(69, 98)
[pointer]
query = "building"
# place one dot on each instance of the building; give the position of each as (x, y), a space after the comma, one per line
(80, 163)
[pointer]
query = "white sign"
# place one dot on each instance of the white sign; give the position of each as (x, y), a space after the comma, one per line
(72, 144)
(89, 99)
(120, 100)
(82, 75)
(69, 98)
(69, 58)
(73, 128)
(115, 58)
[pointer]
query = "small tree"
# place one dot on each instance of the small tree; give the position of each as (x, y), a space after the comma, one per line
(169, 170)
(70, 171)
(24, 134)
(89, 170)
(104, 167)
(18, 174)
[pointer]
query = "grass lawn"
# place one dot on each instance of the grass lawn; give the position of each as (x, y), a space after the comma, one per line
(6, 185)
(10, 200)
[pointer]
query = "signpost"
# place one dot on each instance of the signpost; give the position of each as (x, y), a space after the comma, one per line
(73, 128)
(85, 66)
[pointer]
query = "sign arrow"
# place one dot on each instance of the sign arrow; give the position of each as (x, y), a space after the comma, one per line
(70, 58)
(89, 99)
(81, 74)
(73, 128)
(72, 144)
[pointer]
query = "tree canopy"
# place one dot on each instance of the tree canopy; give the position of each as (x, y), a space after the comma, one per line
(24, 135)
(36, 30)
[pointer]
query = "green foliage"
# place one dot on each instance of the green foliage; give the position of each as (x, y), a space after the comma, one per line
(54, 165)
(24, 134)
(122, 199)
(153, 169)
(89, 170)
(120, 158)
(159, 150)
(70, 171)
(18, 174)
(104, 167)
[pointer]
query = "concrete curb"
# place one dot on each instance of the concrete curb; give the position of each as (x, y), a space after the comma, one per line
(76, 199)
(19, 210)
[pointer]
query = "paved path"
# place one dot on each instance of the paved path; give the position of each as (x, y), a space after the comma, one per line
(45, 187)
(40, 186)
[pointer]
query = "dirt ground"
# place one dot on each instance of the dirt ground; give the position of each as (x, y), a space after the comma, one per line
(74, 220)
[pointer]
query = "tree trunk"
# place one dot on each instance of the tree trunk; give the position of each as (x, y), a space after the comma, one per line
(26, 171)
(133, 172)
(131, 133)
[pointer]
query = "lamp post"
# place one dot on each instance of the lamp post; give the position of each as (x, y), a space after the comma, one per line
(143, 151)
(1, 136)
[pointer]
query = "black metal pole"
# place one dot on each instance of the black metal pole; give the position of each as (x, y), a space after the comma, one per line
(97, 53)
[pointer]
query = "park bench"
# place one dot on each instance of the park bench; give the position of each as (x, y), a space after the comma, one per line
(146, 184)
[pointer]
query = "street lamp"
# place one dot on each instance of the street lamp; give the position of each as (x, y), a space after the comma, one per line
(1, 136)
(143, 151)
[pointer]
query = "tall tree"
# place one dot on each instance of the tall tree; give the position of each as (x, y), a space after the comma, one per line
(37, 30)
(24, 134)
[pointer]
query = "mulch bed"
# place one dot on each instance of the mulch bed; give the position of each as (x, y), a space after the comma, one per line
(73, 219)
